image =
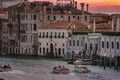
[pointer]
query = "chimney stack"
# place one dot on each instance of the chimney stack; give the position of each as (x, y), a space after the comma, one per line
(75, 4)
(82, 6)
(87, 7)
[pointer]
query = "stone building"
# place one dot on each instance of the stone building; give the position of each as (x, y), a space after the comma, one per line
(3, 32)
(7, 3)
(25, 19)
(52, 39)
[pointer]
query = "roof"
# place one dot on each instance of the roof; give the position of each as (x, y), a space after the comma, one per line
(73, 25)
(58, 25)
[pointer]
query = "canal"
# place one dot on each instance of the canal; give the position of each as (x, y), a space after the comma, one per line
(34, 68)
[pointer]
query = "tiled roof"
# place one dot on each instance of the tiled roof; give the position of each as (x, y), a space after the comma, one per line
(74, 25)
(58, 25)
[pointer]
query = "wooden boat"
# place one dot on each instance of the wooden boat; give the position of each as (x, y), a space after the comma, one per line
(61, 69)
(5, 68)
(82, 69)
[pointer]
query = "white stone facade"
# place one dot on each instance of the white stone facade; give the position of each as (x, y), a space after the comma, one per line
(94, 43)
(52, 42)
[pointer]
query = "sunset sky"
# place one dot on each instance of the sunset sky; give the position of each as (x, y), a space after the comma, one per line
(107, 6)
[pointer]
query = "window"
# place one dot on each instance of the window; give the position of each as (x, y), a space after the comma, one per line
(112, 45)
(51, 35)
(47, 35)
(23, 17)
(31, 39)
(43, 34)
(61, 16)
(63, 45)
(73, 16)
(107, 44)
(85, 46)
(59, 35)
(40, 35)
(63, 51)
(23, 38)
(54, 17)
(40, 50)
(23, 27)
(118, 45)
(77, 42)
(47, 44)
(34, 17)
(91, 47)
(102, 44)
(48, 18)
(63, 35)
(55, 34)
(44, 51)
(55, 44)
(68, 18)
(34, 27)
(73, 42)
(59, 51)
(47, 50)
(85, 18)
(70, 42)
(78, 18)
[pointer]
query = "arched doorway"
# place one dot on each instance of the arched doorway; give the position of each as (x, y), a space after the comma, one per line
(51, 52)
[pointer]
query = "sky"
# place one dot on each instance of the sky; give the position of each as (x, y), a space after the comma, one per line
(101, 6)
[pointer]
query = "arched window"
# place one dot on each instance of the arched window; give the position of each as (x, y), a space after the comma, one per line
(118, 45)
(70, 42)
(102, 44)
(107, 44)
(78, 18)
(40, 50)
(68, 18)
(77, 42)
(112, 45)
(34, 17)
(59, 51)
(73, 42)
(54, 17)
(48, 18)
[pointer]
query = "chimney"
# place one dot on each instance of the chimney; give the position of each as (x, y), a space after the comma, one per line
(87, 7)
(112, 24)
(94, 25)
(75, 4)
(82, 6)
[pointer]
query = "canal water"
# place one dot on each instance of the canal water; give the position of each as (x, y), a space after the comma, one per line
(33, 68)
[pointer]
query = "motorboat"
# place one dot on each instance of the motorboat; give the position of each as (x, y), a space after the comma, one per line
(82, 69)
(83, 62)
(61, 69)
(5, 68)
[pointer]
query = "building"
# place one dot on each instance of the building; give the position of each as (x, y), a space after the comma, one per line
(26, 18)
(52, 39)
(7, 3)
(80, 44)
(3, 32)
(92, 45)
